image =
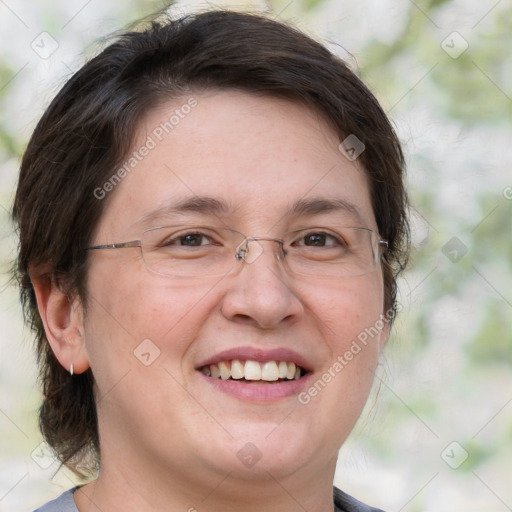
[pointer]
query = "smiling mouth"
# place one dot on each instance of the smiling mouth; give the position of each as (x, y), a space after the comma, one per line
(254, 371)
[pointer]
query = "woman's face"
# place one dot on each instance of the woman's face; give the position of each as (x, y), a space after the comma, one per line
(249, 163)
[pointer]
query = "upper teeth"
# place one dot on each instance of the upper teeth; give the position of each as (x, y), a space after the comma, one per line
(252, 370)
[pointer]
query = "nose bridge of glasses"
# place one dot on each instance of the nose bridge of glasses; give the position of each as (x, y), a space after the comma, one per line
(249, 250)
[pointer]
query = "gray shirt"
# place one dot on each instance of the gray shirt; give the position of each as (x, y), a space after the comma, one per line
(342, 503)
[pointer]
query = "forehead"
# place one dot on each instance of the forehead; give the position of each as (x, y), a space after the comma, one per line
(253, 160)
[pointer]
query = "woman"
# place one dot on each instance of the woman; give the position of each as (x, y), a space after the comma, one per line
(212, 219)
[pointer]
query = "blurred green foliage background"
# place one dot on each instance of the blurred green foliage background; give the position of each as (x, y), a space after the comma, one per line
(443, 72)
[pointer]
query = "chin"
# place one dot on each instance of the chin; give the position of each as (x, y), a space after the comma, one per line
(266, 451)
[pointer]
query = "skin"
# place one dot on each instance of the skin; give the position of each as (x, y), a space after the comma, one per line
(169, 440)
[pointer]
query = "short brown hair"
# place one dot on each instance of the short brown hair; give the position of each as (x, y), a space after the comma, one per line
(89, 127)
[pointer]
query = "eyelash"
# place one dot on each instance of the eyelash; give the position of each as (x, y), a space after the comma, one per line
(337, 240)
(178, 239)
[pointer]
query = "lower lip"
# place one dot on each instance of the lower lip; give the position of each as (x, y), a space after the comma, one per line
(258, 392)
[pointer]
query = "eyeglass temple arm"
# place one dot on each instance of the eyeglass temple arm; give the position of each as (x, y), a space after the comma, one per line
(124, 245)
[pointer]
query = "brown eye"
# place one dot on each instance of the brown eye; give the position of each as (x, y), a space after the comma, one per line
(315, 240)
(187, 239)
(192, 240)
(319, 239)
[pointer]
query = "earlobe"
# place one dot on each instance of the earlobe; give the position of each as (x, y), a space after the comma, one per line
(62, 317)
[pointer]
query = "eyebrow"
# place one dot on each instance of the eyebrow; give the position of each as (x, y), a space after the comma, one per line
(213, 206)
(196, 204)
(316, 206)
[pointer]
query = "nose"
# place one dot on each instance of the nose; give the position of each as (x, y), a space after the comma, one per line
(261, 293)
(249, 251)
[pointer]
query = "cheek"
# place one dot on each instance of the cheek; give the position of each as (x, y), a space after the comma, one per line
(134, 314)
(350, 316)
(346, 308)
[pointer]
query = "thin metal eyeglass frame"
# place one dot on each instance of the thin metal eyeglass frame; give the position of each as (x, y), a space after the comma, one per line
(381, 243)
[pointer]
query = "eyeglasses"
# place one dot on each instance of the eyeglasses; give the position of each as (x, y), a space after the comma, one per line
(212, 251)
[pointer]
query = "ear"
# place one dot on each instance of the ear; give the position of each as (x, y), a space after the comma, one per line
(62, 318)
